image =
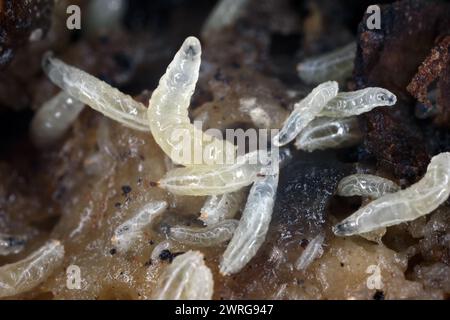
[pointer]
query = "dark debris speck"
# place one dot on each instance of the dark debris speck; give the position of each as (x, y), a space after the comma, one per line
(378, 295)
(126, 190)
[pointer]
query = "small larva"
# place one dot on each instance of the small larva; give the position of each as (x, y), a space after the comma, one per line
(54, 118)
(336, 65)
(220, 207)
(327, 133)
(405, 205)
(186, 278)
(312, 251)
(160, 247)
(205, 180)
(305, 111)
(354, 103)
(11, 244)
(168, 112)
(224, 14)
(97, 94)
(131, 230)
(204, 237)
(366, 185)
(26, 274)
(252, 229)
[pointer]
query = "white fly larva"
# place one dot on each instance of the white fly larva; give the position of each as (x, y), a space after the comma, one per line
(132, 229)
(366, 185)
(168, 113)
(354, 103)
(223, 14)
(204, 237)
(305, 111)
(206, 180)
(405, 205)
(186, 278)
(221, 207)
(26, 274)
(97, 94)
(313, 251)
(11, 244)
(254, 224)
(329, 133)
(54, 118)
(336, 65)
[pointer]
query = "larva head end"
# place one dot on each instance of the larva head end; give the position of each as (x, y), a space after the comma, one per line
(154, 184)
(47, 60)
(345, 228)
(386, 97)
(191, 47)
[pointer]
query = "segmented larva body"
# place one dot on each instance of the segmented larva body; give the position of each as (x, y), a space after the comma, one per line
(366, 185)
(220, 207)
(405, 205)
(204, 237)
(305, 111)
(336, 65)
(213, 180)
(329, 133)
(11, 244)
(26, 274)
(54, 118)
(97, 94)
(254, 224)
(347, 104)
(186, 278)
(312, 252)
(132, 229)
(168, 112)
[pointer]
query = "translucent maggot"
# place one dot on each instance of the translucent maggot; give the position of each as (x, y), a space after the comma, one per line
(366, 185)
(26, 274)
(335, 65)
(305, 111)
(205, 180)
(129, 231)
(204, 237)
(405, 205)
(97, 94)
(254, 223)
(168, 113)
(328, 133)
(353, 103)
(186, 278)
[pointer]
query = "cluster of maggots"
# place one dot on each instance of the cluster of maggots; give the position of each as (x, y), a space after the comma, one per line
(324, 119)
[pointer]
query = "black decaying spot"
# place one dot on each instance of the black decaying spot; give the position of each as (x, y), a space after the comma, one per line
(378, 295)
(126, 190)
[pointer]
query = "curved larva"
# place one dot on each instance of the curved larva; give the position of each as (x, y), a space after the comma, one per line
(186, 278)
(54, 118)
(97, 94)
(366, 185)
(11, 244)
(336, 65)
(252, 229)
(205, 180)
(129, 231)
(26, 274)
(312, 251)
(353, 103)
(204, 237)
(220, 207)
(327, 133)
(305, 111)
(223, 14)
(168, 112)
(405, 205)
